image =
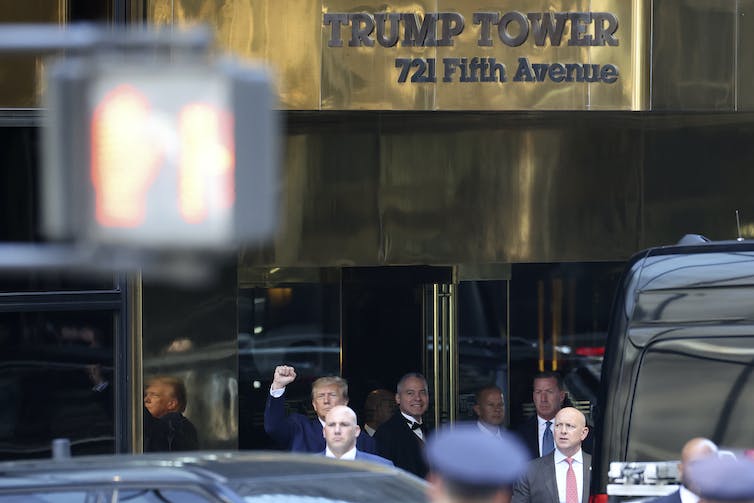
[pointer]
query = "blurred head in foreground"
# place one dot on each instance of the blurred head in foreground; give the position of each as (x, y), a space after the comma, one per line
(467, 465)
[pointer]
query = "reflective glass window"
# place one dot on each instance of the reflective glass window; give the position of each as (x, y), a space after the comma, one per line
(53, 497)
(161, 495)
(297, 325)
(690, 388)
(558, 322)
(56, 381)
(482, 340)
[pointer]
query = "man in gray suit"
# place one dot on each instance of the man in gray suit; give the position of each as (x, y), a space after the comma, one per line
(563, 476)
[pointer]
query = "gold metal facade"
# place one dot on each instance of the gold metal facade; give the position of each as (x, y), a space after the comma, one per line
(324, 64)
(21, 74)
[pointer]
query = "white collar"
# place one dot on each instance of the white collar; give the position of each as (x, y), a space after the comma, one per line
(543, 422)
(686, 495)
(487, 428)
(346, 455)
(409, 418)
(559, 456)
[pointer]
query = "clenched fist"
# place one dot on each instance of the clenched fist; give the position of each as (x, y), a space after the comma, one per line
(284, 375)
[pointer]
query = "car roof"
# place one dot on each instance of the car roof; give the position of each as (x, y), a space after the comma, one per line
(698, 265)
(198, 467)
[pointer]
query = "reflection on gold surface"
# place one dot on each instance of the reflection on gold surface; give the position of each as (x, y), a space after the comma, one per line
(365, 77)
(21, 82)
(286, 35)
(357, 72)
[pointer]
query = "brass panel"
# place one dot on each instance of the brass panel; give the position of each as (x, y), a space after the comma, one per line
(694, 55)
(328, 64)
(745, 48)
(513, 95)
(136, 383)
(631, 92)
(191, 333)
(21, 74)
(368, 77)
(449, 188)
(697, 174)
(286, 35)
(365, 77)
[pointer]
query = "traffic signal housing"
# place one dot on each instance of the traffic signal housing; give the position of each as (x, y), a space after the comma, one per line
(160, 152)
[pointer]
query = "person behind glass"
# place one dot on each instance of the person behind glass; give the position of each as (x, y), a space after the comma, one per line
(469, 466)
(297, 432)
(378, 408)
(165, 400)
(490, 410)
(401, 438)
(563, 476)
(693, 450)
(341, 431)
(548, 396)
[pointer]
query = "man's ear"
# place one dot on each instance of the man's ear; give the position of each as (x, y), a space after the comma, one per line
(358, 431)
(475, 408)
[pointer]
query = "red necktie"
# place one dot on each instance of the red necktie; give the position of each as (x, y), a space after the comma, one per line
(572, 494)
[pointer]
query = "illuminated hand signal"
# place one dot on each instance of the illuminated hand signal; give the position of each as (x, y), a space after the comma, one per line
(132, 142)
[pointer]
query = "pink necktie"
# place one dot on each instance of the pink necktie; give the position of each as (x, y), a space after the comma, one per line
(572, 494)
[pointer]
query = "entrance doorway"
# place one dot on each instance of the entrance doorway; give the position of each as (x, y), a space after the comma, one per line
(369, 324)
(388, 327)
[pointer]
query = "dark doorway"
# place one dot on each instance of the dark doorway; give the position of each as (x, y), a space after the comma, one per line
(382, 325)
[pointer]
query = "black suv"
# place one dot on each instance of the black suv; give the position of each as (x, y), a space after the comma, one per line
(679, 357)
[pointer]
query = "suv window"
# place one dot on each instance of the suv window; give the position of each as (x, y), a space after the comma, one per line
(66, 496)
(702, 385)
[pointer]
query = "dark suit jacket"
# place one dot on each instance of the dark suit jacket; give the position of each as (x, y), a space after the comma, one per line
(528, 433)
(299, 433)
(396, 442)
(540, 485)
(373, 458)
(674, 497)
(182, 434)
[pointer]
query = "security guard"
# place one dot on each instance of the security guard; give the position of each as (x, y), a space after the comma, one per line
(465, 464)
(723, 479)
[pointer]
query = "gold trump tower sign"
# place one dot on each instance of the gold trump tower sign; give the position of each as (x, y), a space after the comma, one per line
(438, 54)
(439, 29)
(529, 56)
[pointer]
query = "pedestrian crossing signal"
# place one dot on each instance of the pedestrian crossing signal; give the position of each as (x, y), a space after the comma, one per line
(171, 155)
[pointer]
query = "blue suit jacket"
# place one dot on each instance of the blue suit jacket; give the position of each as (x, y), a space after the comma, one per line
(365, 456)
(299, 433)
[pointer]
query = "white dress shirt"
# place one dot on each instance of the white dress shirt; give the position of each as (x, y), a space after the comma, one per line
(418, 432)
(561, 468)
(687, 496)
(485, 428)
(347, 455)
